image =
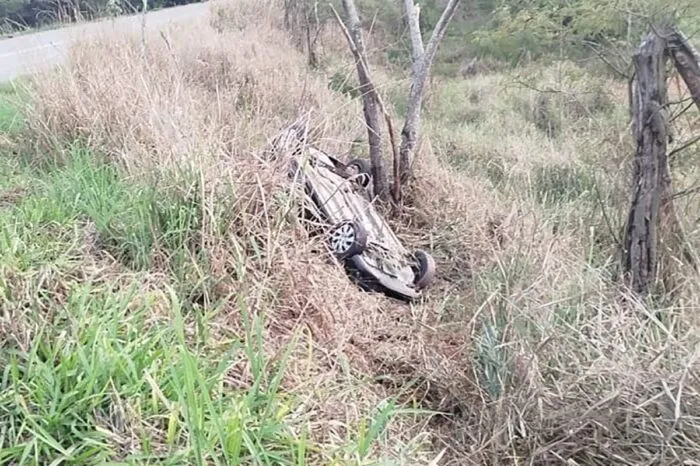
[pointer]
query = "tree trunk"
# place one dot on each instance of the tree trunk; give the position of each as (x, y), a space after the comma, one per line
(370, 101)
(287, 13)
(651, 205)
(310, 42)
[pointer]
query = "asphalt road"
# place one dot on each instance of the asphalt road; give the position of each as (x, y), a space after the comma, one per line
(28, 53)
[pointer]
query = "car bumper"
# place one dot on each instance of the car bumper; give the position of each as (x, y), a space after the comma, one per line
(387, 282)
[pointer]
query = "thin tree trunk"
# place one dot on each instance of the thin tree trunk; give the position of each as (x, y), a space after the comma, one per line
(687, 61)
(310, 43)
(370, 100)
(422, 62)
(143, 26)
(413, 20)
(288, 7)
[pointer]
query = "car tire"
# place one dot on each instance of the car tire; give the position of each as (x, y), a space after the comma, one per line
(426, 269)
(347, 239)
(362, 170)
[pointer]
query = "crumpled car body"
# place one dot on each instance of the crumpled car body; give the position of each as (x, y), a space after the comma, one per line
(339, 199)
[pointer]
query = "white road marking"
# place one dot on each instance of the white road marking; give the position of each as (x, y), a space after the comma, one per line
(32, 49)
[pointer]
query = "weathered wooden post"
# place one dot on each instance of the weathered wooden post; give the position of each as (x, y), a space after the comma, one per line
(651, 177)
(654, 234)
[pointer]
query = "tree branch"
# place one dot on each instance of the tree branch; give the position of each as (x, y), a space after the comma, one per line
(439, 31)
(686, 192)
(687, 61)
(593, 46)
(676, 116)
(630, 95)
(684, 146)
(421, 70)
(413, 19)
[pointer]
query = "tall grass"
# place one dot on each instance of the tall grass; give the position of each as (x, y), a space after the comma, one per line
(525, 350)
(91, 370)
(105, 362)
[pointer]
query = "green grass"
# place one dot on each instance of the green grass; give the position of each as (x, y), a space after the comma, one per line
(10, 118)
(99, 381)
(560, 185)
(102, 375)
(138, 224)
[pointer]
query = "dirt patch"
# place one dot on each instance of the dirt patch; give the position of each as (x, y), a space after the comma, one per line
(12, 196)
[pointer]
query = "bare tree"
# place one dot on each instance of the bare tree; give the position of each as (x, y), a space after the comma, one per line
(422, 58)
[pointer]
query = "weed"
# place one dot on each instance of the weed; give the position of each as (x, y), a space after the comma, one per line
(338, 82)
(545, 117)
(559, 185)
(11, 120)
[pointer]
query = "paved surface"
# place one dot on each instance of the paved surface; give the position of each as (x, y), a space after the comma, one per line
(31, 52)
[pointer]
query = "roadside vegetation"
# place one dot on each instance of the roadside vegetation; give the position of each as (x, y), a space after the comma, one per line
(162, 304)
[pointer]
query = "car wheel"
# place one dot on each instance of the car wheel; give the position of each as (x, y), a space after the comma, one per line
(347, 239)
(426, 269)
(362, 170)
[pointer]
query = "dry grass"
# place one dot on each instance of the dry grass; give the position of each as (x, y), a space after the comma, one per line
(526, 345)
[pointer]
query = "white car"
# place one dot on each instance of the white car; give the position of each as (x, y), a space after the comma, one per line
(356, 232)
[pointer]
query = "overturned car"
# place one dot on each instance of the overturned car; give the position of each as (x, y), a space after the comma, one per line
(339, 200)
